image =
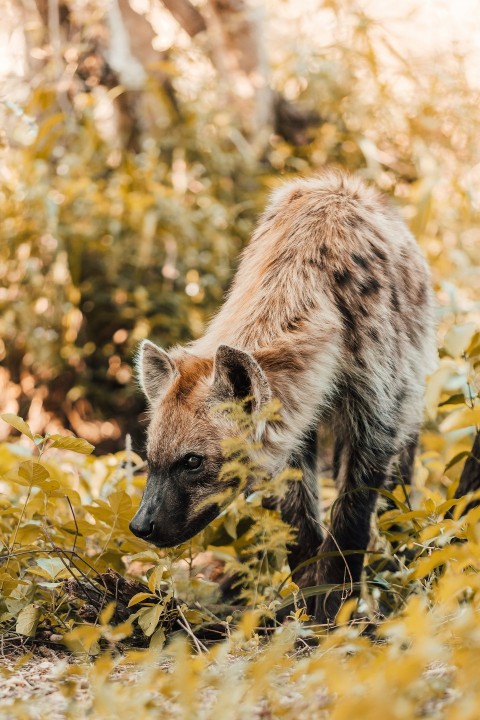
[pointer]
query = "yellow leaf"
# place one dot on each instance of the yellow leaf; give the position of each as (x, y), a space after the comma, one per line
(456, 459)
(155, 578)
(345, 613)
(144, 556)
(66, 442)
(107, 613)
(29, 533)
(434, 388)
(473, 515)
(290, 589)
(121, 503)
(466, 417)
(139, 597)
(157, 641)
(52, 566)
(18, 424)
(33, 472)
(474, 348)
(430, 506)
(194, 616)
(249, 623)
(452, 401)
(27, 620)
(148, 620)
(426, 565)
(46, 127)
(128, 456)
(458, 338)
(84, 639)
(121, 631)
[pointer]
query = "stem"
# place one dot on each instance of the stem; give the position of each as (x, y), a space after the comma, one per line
(15, 533)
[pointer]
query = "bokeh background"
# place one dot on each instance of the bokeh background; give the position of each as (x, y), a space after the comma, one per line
(138, 144)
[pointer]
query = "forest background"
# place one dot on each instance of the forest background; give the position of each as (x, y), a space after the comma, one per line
(139, 142)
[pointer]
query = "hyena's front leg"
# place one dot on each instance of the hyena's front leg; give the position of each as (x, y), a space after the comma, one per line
(361, 472)
(300, 507)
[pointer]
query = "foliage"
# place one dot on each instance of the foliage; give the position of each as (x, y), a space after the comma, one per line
(68, 520)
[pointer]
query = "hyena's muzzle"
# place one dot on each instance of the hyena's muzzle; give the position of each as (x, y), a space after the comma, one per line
(170, 514)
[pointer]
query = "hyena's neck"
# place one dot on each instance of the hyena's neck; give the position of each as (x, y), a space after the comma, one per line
(301, 366)
(302, 375)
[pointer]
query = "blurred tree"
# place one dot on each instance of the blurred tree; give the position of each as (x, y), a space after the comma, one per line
(120, 51)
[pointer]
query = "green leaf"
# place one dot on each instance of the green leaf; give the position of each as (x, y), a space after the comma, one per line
(66, 442)
(27, 620)
(18, 424)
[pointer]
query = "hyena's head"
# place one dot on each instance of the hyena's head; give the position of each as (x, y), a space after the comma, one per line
(184, 447)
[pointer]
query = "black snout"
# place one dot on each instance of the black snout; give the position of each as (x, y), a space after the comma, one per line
(141, 527)
(167, 516)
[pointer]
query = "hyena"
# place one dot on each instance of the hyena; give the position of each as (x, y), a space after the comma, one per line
(331, 312)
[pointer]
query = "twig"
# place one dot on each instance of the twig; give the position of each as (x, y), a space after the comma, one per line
(201, 648)
(77, 532)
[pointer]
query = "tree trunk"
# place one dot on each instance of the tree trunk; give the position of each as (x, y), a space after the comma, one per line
(239, 54)
(187, 16)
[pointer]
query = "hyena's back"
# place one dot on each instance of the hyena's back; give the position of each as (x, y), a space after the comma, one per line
(333, 286)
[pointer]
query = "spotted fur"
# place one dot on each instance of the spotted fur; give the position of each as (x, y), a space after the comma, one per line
(331, 312)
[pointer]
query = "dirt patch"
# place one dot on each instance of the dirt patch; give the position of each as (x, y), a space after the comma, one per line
(35, 681)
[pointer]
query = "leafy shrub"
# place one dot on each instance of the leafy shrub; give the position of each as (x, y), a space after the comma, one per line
(68, 520)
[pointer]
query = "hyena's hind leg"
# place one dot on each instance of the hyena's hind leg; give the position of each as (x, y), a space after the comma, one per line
(359, 471)
(400, 473)
(363, 454)
(300, 507)
(363, 471)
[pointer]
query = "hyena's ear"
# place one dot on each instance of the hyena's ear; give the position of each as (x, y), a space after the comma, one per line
(155, 371)
(238, 375)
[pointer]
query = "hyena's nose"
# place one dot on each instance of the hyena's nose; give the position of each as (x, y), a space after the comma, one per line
(142, 528)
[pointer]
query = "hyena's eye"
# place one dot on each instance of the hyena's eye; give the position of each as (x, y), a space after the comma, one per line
(193, 462)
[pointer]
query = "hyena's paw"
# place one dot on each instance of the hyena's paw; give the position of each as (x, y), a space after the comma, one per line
(323, 596)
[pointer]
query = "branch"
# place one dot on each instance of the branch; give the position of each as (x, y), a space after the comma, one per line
(45, 8)
(187, 16)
